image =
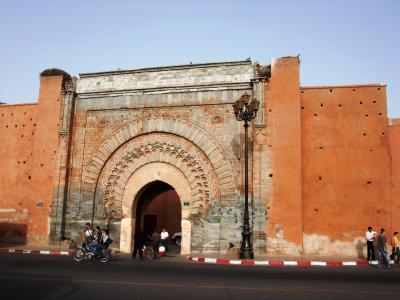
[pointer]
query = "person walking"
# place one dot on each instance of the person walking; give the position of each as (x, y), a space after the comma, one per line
(370, 236)
(396, 246)
(382, 250)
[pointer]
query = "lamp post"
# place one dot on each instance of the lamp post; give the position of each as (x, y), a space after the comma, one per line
(246, 110)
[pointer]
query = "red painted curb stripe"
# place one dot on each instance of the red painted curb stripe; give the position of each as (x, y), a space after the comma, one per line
(201, 259)
(223, 261)
(247, 262)
(362, 263)
(304, 263)
(276, 263)
(334, 263)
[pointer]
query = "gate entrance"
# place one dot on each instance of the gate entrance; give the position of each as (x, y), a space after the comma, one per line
(158, 207)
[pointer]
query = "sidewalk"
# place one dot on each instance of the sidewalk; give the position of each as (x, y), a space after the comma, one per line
(271, 260)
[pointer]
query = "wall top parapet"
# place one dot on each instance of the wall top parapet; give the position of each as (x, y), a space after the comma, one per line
(344, 86)
(167, 77)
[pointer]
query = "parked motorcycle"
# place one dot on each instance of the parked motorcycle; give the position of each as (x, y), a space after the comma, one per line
(83, 252)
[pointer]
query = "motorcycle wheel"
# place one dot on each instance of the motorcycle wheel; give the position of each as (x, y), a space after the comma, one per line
(79, 255)
(105, 257)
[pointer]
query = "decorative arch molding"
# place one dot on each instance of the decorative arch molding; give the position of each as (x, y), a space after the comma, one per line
(184, 129)
(150, 148)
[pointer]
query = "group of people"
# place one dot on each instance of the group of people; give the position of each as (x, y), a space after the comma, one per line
(97, 239)
(156, 240)
(380, 240)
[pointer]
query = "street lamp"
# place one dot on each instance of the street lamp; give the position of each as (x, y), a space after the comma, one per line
(246, 110)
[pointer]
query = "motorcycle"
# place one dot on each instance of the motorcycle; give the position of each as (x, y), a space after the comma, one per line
(83, 252)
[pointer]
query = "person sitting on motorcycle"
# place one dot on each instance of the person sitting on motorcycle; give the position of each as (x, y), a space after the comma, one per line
(104, 241)
(88, 234)
(96, 240)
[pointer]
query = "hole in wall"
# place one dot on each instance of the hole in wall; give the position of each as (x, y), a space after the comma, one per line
(369, 182)
(366, 115)
(315, 115)
(270, 175)
(316, 209)
(15, 125)
(41, 165)
(340, 105)
(322, 105)
(302, 107)
(22, 135)
(321, 147)
(12, 114)
(24, 112)
(319, 178)
(6, 126)
(374, 101)
(330, 91)
(354, 90)
(379, 89)
(370, 150)
(270, 110)
(361, 102)
(302, 92)
(364, 134)
(29, 177)
(383, 133)
(380, 114)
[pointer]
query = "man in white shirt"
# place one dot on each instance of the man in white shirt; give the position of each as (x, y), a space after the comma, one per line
(370, 236)
(164, 236)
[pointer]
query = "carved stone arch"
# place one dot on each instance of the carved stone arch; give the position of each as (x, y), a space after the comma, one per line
(187, 130)
(150, 148)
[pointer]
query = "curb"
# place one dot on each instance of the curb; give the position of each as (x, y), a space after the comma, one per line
(280, 263)
(43, 252)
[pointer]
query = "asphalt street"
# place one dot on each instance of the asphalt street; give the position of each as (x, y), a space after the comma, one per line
(57, 277)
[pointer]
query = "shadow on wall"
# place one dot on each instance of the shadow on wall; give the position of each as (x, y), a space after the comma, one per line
(360, 249)
(13, 234)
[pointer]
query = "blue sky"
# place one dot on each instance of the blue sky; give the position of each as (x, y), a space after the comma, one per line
(339, 42)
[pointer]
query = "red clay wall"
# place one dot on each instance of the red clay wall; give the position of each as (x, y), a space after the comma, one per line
(282, 96)
(29, 140)
(346, 166)
(17, 129)
(394, 142)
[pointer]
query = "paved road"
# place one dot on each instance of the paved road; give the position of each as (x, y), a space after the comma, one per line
(54, 277)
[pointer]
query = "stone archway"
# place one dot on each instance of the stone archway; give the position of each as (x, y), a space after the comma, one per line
(180, 144)
(184, 129)
(148, 173)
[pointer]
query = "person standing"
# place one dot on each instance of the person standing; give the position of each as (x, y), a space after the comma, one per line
(164, 236)
(369, 236)
(139, 240)
(382, 249)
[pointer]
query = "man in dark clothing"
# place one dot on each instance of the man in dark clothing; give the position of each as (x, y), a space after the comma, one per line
(382, 249)
(139, 239)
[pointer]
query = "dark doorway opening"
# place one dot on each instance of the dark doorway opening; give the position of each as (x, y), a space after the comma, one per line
(158, 207)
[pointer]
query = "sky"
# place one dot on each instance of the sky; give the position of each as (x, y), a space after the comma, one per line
(339, 42)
